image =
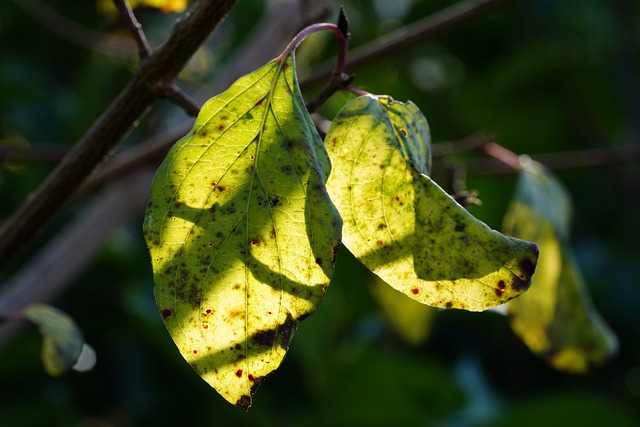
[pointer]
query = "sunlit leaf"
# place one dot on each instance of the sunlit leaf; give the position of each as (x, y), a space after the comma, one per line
(241, 231)
(62, 340)
(405, 228)
(556, 318)
(410, 319)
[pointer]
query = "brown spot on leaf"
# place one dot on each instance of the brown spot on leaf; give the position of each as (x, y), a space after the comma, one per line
(205, 326)
(251, 377)
(244, 401)
(319, 261)
(238, 346)
(239, 373)
(498, 292)
(194, 351)
(287, 169)
(379, 243)
(415, 291)
(501, 284)
(448, 304)
(381, 226)
(166, 313)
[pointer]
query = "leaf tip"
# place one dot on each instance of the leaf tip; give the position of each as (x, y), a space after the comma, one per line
(244, 402)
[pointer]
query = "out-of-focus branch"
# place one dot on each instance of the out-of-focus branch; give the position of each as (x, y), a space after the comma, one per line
(601, 156)
(50, 18)
(159, 69)
(409, 35)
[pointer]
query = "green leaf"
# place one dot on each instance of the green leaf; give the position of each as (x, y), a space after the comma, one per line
(556, 319)
(241, 231)
(62, 340)
(410, 319)
(404, 227)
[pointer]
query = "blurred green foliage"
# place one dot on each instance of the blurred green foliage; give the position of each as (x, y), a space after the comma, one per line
(538, 75)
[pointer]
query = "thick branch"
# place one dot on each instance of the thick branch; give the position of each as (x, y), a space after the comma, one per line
(404, 37)
(161, 67)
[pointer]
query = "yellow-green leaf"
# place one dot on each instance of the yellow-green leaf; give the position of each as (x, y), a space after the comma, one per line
(406, 229)
(62, 340)
(556, 318)
(410, 319)
(241, 231)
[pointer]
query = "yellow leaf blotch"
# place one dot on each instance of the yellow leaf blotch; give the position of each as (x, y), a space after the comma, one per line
(241, 231)
(556, 318)
(406, 229)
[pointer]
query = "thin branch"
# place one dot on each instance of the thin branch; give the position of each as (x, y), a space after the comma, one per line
(115, 123)
(339, 79)
(404, 37)
(592, 157)
(144, 50)
(174, 94)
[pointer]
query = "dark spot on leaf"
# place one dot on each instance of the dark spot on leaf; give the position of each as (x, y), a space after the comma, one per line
(287, 169)
(334, 251)
(239, 373)
(236, 287)
(379, 243)
(381, 226)
(334, 141)
(251, 377)
(501, 284)
(221, 128)
(252, 157)
(260, 102)
(459, 228)
(208, 311)
(265, 338)
(274, 201)
(166, 313)
(519, 284)
(403, 132)
(448, 304)
(255, 242)
(220, 188)
(238, 346)
(415, 291)
(205, 326)
(194, 351)
(319, 261)
(498, 292)
(286, 331)
(244, 401)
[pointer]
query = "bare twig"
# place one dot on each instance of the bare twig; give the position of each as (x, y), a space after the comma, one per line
(173, 93)
(602, 156)
(395, 41)
(162, 66)
(144, 50)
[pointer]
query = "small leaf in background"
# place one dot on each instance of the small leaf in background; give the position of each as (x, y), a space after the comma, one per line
(62, 340)
(410, 319)
(403, 227)
(556, 318)
(242, 233)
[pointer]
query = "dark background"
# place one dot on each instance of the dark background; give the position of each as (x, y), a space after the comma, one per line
(539, 76)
